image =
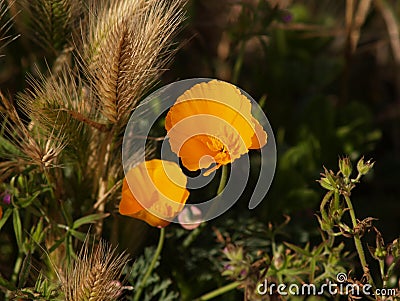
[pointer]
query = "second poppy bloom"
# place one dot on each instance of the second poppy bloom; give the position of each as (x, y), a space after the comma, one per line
(212, 123)
(156, 192)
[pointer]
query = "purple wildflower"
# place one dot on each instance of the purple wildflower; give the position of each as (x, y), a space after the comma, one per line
(287, 17)
(7, 198)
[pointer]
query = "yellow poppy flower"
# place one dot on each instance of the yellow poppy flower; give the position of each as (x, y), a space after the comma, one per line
(156, 192)
(212, 123)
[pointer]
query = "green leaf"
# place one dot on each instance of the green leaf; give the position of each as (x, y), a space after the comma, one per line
(5, 217)
(37, 232)
(7, 284)
(79, 235)
(57, 244)
(6, 147)
(25, 270)
(298, 249)
(26, 202)
(89, 219)
(69, 250)
(17, 228)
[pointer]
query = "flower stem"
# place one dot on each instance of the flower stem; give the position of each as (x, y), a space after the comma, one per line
(224, 177)
(151, 266)
(357, 241)
(221, 186)
(17, 268)
(219, 291)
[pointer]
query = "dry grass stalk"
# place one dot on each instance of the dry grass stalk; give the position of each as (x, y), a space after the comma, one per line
(356, 14)
(126, 50)
(94, 276)
(359, 19)
(5, 24)
(51, 21)
(126, 47)
(30, 147)
(392, 27)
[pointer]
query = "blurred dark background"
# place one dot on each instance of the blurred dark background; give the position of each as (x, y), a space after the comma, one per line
(327, 75)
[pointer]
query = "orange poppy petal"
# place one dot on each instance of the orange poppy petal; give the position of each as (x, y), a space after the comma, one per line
(128, 205)
(221, 91)
(214, 111)
(259, 138)
(151, 219)
(168, 178)
(199, 109)
(195, 154)
(156, 193)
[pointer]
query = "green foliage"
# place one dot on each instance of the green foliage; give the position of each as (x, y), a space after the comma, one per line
(155, 288)
(324, 94)
(42, 291)
(288, 263)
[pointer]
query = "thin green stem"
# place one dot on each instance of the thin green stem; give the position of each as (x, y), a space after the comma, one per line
(224, 177)
(196, 232)
(151, 266)
(323, 204)
(219, 291)
(382, 270)
(391, 268)
(17, 268)
(193, 235)
(221, 186)
(357, 241)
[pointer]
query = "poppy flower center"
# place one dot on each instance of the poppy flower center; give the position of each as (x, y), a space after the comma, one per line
(216, 145)
(220, 152)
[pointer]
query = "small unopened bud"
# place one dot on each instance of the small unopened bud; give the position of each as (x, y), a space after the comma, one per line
(380, 253)
(328, 180)
(345, 166)
(364, 167)
(395, 248)
(324, 182)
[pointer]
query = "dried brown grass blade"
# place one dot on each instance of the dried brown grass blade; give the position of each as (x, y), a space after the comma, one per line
(5, 24)
(95, 274)
(127, 47)
(34, 147)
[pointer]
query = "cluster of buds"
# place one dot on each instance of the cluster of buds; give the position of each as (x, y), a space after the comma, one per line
(379, 252)
(340, 184)
(342, 181)
(237, 265)
(241, 268)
